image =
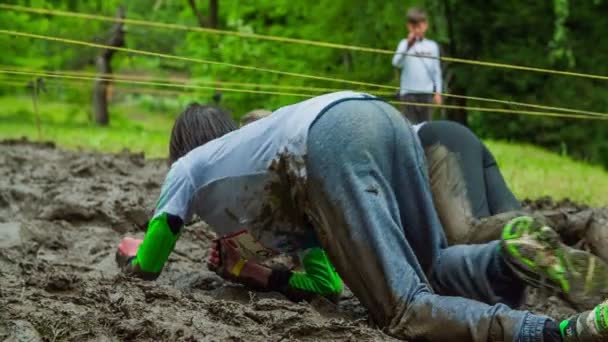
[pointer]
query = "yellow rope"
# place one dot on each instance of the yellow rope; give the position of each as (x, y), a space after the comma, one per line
(310, 89)
(189, 59)
(122, 88)
(479, 109)
(137, 22)
(503, 110)
(176, 80)
(163, 84)
(290, 40)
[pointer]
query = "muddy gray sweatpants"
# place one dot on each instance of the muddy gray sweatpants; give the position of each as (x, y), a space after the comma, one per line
(372, 210)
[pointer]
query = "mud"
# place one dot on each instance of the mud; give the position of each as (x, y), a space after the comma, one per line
(62, 215)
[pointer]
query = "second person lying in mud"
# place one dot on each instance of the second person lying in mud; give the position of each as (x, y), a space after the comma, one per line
(344, 171)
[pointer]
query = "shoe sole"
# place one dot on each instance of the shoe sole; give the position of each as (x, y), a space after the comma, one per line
(542, 260)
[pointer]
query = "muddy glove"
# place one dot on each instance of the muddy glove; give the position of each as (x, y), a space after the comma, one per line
(225, 259)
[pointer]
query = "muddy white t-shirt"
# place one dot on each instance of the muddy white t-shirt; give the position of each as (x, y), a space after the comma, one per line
(251, 178)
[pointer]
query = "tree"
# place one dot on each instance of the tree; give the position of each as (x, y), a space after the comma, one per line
(104, 67)
(211, 20)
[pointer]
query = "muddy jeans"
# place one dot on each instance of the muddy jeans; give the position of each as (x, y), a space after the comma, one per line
(372, 211)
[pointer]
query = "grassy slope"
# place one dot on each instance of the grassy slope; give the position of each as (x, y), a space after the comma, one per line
(529, 171)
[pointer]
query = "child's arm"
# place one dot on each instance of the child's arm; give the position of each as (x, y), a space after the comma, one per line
(146, 259)
(437, 75)
(153, 252)
(400, 54)
(319, 276)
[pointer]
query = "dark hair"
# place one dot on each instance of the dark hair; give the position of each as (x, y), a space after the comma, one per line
(415, 15)
(196, 126)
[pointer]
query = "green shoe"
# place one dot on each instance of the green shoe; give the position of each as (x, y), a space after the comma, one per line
(535, 253)
(589, 326)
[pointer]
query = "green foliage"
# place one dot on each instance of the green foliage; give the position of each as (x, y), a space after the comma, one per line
(523, 34)
(558, 34)
(560, 50)
(69, 126)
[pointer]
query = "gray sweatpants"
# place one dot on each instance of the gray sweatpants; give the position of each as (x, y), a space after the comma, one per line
(372, 210)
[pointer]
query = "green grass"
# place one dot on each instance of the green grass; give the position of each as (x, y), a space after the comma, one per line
(131, 126)
(532, 172)
(144, 125)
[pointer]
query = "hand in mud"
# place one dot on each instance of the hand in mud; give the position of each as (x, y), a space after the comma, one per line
(223, 255)
(127, 250)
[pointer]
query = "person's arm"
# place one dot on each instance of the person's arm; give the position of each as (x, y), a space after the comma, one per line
(319, 276)
(400, 54)
(437, 76)
(152, 254)
(146, 259)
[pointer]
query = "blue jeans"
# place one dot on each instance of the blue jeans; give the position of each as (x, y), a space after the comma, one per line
(371, 206)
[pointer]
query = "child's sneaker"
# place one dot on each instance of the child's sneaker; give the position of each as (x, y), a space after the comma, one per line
(535, 253)
(589, 326)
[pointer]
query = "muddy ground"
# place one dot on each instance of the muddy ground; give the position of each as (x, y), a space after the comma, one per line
(62, 215)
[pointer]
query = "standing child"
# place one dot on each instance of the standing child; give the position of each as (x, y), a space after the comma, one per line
(418, 59)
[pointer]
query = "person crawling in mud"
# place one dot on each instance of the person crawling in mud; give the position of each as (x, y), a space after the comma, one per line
(471, 196)
(344, 171)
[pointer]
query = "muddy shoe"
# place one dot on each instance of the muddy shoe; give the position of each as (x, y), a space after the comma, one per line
(535, 253)
(587, 326)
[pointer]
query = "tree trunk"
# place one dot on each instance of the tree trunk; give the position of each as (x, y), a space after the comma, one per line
(199, 16)
(458, 115)
(213, 13)
(211, 20)
(104, 69)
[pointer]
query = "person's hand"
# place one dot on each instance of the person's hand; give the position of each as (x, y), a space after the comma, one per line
(438, 99)
(224, 255)
(411, 38)
(127, 249)
(225, 260)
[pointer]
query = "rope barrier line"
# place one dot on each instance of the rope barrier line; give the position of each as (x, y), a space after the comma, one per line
(146, 23)
(311, 89)
(531, 105)
(504, 110)
(189, 59)
(121, 88)
(172, 85)
(480, 109)
(177, 80)
(137, 22)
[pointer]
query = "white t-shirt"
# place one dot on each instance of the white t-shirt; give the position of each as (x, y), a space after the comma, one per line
(419, 73)
(251, 178)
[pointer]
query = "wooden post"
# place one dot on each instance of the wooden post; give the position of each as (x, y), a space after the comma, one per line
(35, 103)
(104, 68)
